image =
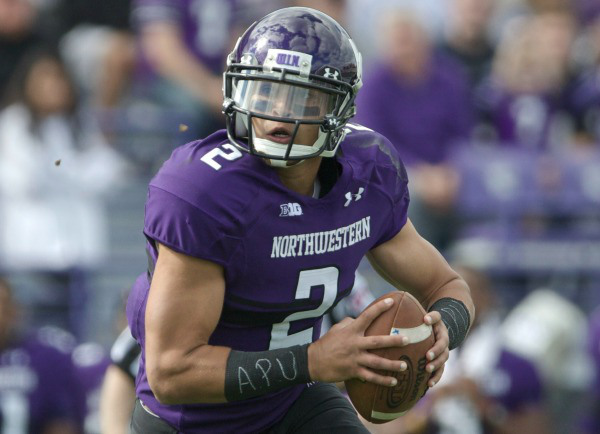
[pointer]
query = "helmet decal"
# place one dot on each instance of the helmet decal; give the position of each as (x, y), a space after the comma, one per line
(292, 60)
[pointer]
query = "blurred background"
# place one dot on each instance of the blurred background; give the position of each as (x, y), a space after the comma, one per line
(494, 106)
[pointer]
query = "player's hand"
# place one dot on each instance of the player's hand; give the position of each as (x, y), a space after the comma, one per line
(342, 353)
(438, 355)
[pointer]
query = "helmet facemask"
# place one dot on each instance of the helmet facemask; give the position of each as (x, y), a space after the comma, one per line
(286, 101)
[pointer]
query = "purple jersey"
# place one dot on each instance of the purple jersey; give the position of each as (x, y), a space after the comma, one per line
(37, 385)
(423, 120)
(90, 361)
(514, 382)
(288, 258)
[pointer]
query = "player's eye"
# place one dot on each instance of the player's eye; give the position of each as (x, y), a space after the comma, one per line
(312, 111)
(259, 105)
(264, 89)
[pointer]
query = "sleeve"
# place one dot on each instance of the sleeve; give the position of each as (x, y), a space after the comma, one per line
(125, 353)
(186, 229)
(393, 179)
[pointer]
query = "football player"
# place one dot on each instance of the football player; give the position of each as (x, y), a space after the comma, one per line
(39, 392)
(256, 231)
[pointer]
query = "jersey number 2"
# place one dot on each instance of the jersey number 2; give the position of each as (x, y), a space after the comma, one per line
(308, 279)
(209, 157)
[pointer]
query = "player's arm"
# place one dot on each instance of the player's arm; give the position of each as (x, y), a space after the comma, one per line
(411, 263)
(163, 44)
(184, 306)
(116, 401)
(183, 309)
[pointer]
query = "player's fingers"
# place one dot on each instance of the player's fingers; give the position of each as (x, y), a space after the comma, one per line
(438, 362)
(367, 375)
(432, 317)
(365, 319)
(436, 377)
(345, 322)
(440, 345)
(382, 341)
(373, 361)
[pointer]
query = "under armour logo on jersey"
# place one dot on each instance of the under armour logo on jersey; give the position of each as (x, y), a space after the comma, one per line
(331, 73)
(290, 209)
(356, 197)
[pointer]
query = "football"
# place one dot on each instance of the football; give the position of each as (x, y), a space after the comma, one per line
(380, 404)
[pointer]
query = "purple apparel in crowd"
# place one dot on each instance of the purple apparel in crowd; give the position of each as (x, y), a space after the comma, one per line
(206, 25)
(288, 258)
(513, 383)
(587, 10)
(422, 119)
(37, 384)
(584, 102)
(527, 120)
(91, 361)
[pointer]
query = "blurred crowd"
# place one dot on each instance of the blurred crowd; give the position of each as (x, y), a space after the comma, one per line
(494, 106)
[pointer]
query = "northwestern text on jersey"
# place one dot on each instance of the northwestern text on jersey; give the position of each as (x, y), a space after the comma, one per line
(316, 243)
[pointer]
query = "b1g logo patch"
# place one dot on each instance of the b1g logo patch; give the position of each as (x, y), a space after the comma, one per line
(291, 209)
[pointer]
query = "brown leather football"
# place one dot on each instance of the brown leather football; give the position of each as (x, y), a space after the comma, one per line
(380, 404)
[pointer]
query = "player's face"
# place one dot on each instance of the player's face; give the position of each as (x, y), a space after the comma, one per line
(280, 132)
(290, 102)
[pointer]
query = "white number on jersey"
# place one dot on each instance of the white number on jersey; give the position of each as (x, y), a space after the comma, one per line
(327, 277)
(233, 154)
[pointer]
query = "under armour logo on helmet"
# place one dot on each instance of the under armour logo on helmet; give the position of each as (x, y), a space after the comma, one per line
(331, 73)
(247, 59)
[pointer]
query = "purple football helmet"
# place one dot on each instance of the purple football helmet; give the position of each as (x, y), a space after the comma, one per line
(296, 66)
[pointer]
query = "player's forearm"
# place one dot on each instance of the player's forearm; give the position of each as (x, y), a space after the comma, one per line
(218, 374)
(456, 289)
(192, 377)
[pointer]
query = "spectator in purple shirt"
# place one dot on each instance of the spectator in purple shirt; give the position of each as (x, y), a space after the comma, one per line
(525, 93)
(420, 101)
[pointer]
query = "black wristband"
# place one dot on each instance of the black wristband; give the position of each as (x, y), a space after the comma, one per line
(251, 374)
(456, 317)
